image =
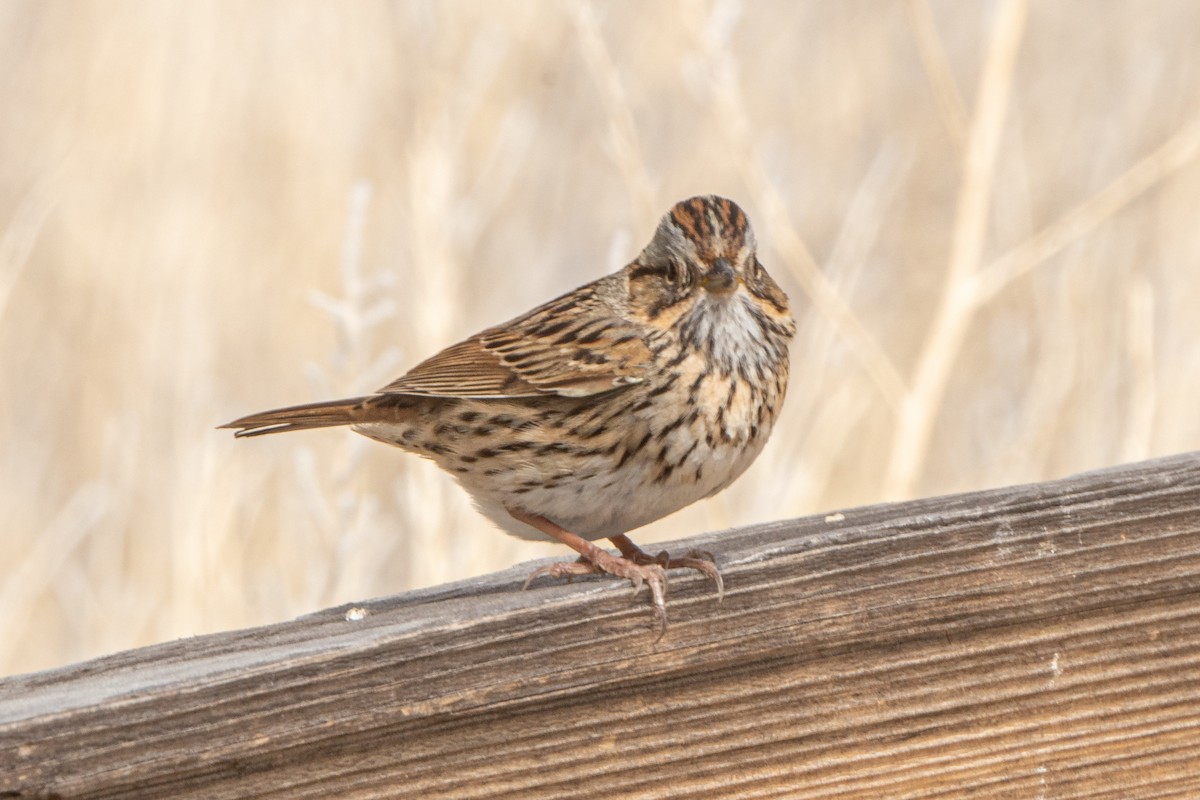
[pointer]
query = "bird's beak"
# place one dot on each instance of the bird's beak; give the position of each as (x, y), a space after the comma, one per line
(720, 278)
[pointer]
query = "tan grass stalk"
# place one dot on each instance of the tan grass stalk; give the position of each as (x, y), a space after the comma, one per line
(1167, 159)
(946, 334)
(1142, 397)
(951, 107)
(622, 139)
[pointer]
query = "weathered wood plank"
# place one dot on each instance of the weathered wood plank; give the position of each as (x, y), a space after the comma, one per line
(1036, 641)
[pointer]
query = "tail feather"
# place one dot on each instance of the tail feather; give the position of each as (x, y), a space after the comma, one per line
(298, 418)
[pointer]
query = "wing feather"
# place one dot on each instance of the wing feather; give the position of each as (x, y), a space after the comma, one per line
(574, 346)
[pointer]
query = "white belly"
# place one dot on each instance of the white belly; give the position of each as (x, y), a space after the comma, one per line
(613, 502)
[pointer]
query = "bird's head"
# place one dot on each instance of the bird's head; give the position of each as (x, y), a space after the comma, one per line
(702, 269)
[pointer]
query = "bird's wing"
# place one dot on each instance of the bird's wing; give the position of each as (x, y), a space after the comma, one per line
(573, 347)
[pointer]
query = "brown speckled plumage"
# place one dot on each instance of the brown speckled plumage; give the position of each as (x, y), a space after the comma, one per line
(604, 409)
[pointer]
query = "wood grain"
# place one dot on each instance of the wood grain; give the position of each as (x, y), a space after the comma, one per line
(1038, 641)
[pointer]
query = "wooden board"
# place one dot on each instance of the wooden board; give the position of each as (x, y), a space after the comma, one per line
(1037, 642)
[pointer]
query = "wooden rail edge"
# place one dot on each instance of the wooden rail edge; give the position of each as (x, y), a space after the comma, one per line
(1037, 641)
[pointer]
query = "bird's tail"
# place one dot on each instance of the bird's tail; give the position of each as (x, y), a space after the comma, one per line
(298, 418)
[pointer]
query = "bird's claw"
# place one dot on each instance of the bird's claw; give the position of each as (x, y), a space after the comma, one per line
(639, 575)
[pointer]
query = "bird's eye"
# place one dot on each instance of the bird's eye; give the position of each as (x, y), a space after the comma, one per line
(671, 272)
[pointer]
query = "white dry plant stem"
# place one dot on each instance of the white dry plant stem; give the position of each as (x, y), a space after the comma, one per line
(37, 572)
(1151, 170)
(951, 107)
(1141, 400)
(22, 231)
(344, 512)
(622, 136)
(947, 331)
(832, 402)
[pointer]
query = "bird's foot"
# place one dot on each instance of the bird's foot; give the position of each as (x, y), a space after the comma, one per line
(634, 564)
(700, 560)
(650, 574)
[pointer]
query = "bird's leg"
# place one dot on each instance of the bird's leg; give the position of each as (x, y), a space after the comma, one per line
(593, 559)
(700, 560)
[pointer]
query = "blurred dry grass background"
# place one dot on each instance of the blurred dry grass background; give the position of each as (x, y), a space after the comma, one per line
(985, 213)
